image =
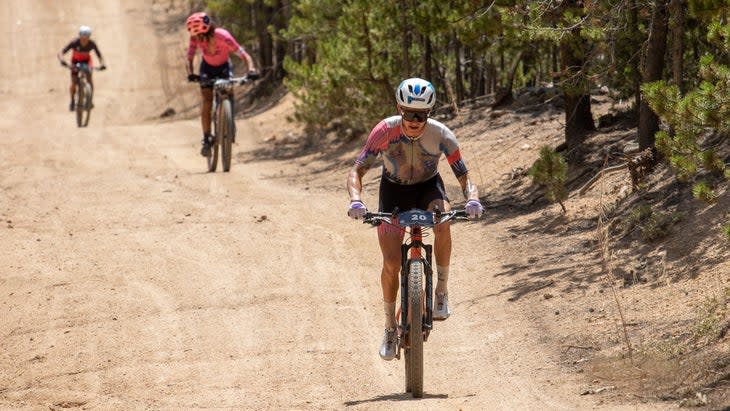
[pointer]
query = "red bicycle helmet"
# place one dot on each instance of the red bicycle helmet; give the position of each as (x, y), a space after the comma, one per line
(198, 23)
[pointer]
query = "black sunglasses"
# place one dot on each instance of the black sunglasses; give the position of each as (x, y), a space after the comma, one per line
(419, 116)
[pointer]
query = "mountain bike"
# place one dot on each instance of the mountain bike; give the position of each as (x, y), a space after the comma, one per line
(224, 126)
(415, 320)
(84, 92)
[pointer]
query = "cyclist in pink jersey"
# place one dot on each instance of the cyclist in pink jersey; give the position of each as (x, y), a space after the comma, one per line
(82, 47)
(410, 145)
(215, 45)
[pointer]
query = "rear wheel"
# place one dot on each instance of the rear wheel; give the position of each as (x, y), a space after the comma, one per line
(225, 136)
(414, 351)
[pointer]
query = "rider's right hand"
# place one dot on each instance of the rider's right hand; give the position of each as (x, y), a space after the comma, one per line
(193, 78)
(357, 209)
(63, 63)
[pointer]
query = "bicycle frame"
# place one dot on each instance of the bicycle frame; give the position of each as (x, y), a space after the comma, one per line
(414, 250)
(416, 257)
(222, 120)
(84, 93)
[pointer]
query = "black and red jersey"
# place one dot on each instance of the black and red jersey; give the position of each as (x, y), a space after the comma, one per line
(81, 53)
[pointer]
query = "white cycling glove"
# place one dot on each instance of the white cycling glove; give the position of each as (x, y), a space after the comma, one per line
(474, 209)
(357, 210)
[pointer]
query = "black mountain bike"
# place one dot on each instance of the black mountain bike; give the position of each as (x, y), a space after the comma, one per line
(224, 126)
(84, 92)
(415, 321)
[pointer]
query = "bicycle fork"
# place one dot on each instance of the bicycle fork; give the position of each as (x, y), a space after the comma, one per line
(409, 252)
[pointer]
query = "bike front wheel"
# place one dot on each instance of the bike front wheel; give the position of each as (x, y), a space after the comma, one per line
(87, 103)
(80, 100)
(225, 136)
(414, 350)
(83, 103)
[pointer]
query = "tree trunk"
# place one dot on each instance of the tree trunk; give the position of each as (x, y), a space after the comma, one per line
(458, 73)
(504, 95)
(677, 10)
(633, 23)
(263, 14)
(653, 66)
(427, 58)
(405, 40)
(578, 116)
(281, 21)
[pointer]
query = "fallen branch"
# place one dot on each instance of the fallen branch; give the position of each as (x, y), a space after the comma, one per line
(639, 166)
(595, 178)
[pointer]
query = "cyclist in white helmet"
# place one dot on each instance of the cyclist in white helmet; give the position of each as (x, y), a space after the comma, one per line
(82, 47)
(410, 145)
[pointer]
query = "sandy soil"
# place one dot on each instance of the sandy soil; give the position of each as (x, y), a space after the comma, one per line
(132, 279)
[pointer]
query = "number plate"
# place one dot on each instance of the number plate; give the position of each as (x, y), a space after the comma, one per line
(416, 217)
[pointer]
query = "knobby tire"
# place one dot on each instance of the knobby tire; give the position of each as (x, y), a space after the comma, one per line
(414, 351)
(83, 103)
(87, 103)
(80, 101)
(226, 133)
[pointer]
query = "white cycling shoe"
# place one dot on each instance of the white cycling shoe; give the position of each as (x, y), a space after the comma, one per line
(441, 310)
(389, 346)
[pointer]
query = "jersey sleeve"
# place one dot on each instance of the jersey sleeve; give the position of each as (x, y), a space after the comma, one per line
(69, 46)
(96, 49)
(376, 143)
(192, 45)
(450, 148)
(231, 45)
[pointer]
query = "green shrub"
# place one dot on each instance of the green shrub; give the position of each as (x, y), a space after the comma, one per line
(550, 170)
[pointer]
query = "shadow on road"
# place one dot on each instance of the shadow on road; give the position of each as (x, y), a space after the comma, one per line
(393, 397)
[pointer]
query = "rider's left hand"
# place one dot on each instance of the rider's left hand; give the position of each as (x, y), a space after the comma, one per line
(474, 209)
(253, 75)
(102, 67)
(357, 209)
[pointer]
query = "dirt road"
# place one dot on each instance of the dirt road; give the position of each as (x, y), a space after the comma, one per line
(132, 279)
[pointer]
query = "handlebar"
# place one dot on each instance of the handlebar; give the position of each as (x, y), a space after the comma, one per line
(223, 83)
(415, 217)
(82, 66)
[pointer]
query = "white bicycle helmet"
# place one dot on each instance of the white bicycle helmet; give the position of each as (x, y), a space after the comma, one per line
(85, 31)
(416, 93)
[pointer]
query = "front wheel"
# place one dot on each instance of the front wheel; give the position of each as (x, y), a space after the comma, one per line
(80, 103)
(83, 103)
(414, 351)
(225, 135)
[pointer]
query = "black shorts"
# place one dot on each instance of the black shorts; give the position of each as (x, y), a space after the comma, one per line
(208, 72)
(406, 197)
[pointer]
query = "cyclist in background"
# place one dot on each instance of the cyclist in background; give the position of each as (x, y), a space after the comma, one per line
(215, 45)
(82, 47)
(411, 145)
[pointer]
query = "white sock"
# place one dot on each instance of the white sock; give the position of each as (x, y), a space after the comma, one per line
(443, 278)
(389, 309)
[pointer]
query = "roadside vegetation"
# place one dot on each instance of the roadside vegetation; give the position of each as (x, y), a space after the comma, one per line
(343, 59)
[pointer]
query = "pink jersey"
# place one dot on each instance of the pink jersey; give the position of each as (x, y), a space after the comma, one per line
(221, 45)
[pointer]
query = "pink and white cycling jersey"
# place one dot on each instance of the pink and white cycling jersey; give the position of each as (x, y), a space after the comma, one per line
(216, 53)
(407, 161)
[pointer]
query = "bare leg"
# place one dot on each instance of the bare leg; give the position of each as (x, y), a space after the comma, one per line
(389, 239)
(207, 97)
(442, 245)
